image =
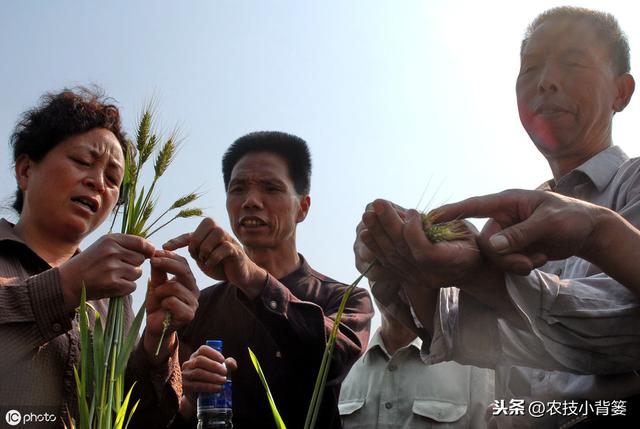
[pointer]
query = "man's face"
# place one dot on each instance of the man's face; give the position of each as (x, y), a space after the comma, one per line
(263, 205)
(566, 89)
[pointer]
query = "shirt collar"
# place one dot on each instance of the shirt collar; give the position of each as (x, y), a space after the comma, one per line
(7, 233)
(600, 168)
(10, 240)
(376, 342)
(303, 270)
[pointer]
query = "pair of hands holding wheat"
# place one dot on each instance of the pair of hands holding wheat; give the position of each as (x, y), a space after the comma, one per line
(110, 267)
(524, 231)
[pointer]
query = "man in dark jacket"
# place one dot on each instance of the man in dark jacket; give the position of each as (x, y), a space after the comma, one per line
(269, 299)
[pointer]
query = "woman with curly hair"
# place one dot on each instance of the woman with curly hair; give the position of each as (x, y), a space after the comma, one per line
(69, 155)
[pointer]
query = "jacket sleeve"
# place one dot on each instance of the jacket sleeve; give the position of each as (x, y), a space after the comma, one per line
(32, 313)
(302, 328)
(158, 387)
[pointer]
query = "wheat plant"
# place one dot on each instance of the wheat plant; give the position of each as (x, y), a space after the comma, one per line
(104, 353)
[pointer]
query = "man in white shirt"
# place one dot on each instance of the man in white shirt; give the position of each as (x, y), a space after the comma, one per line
(391, 387)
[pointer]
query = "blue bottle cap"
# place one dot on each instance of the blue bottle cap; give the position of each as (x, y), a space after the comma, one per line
(215, 344)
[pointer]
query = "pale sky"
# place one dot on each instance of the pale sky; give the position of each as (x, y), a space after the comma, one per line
(389, 95)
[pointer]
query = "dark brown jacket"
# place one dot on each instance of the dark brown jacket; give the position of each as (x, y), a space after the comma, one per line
(287, 327)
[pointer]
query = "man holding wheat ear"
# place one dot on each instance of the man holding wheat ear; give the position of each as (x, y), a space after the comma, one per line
(567, 315)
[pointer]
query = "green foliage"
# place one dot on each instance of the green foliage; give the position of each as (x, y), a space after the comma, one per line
(105, 353)
(276, 415)
(100, 368)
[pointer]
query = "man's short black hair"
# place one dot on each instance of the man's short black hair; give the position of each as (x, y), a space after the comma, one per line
(291, 148)
(604, 23)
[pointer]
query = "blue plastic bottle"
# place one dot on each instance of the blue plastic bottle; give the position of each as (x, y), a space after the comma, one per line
(215, 409)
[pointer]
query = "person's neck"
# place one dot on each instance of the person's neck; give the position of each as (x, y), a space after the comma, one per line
(279, 262)
(564, 164)
(54, 250)
(395, 339)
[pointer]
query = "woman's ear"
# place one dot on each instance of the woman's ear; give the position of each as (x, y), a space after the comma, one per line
(23, 169)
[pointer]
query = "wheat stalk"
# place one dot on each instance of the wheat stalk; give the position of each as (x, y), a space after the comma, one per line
(104, 355)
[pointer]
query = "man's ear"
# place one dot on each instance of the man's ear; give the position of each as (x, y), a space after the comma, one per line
(625, 85)
(305, 203)
(23, 169)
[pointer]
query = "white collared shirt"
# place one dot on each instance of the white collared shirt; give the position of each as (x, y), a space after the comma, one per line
(400, 391)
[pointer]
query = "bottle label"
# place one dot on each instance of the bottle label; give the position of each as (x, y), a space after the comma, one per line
(207, 401)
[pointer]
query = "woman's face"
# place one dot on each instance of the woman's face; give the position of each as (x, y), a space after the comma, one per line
(72, 190)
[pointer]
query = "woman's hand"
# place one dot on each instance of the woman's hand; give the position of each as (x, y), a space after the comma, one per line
(107, 268)
(177, 296)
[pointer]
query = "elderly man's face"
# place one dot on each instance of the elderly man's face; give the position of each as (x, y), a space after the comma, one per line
(566, 88)
(263, 205)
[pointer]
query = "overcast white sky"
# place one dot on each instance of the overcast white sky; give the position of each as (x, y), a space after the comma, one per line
(388, 94)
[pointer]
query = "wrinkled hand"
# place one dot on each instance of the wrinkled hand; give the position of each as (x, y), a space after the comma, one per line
(178, 295)
(221, 257)
(364, 256)
(107, 268)
(527, 228)
(205, 371)
(397, 240)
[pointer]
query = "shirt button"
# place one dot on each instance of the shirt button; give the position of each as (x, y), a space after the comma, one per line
(56, 327)
(392, 367)
(273, 305)
(388, 405)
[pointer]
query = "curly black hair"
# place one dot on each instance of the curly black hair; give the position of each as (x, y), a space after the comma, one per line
(59, 116)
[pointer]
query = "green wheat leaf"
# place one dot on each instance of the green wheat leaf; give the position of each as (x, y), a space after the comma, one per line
(276, 415)
(321, 380)
(130, 341)
(123, 410)
(133, 410)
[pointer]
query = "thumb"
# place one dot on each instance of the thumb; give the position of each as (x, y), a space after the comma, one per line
(514, 237)
(158, 276)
